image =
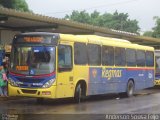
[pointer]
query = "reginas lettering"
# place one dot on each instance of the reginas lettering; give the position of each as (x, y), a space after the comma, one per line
(111, 73)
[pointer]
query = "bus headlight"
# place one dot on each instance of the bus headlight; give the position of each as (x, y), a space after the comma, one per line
(12, 82)
(49, 83)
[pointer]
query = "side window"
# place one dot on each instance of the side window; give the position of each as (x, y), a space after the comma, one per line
(131, 57)
(64, 57)
(149, 59)
(80, 54)
(120, 57)
(141, 58)
(107, 55)
(94, 54)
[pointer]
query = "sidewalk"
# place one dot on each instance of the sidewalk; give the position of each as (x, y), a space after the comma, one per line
(9, 98)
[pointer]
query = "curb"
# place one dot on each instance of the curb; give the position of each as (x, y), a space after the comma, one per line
(9, 98)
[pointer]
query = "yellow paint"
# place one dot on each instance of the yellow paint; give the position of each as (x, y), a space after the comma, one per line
(157, 82)
(13, 92)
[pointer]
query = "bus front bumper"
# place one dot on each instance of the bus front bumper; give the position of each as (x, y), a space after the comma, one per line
(32, 92)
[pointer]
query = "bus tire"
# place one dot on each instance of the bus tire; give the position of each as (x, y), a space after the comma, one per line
(130, 88)
(80, 92)
(39, 100)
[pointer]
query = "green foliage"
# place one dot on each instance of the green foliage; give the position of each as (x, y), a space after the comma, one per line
(156, 29)
(20, 5)
(148, 34)
(117, 21)
(82, 16)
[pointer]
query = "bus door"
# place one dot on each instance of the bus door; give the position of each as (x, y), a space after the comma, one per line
(65, 84)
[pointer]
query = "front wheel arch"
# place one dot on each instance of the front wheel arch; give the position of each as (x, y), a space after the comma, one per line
(80, 91)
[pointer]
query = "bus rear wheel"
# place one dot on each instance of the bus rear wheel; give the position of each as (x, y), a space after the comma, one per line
(130, 88)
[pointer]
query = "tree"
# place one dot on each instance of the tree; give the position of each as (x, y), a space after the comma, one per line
(117, 21)
(148, 33)
(82, 17)
(156, 30)
(20, 5)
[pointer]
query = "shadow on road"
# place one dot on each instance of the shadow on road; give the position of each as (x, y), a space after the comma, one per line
(67, 101)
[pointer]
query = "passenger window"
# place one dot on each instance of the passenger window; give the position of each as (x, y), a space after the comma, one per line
(131, 57)
(80, 54)
(149, 59)
(107, 55)
(64, 57)
(94, 54)
(120, 57)
(141, 58)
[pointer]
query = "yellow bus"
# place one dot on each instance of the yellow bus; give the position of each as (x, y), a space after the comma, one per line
(157, 72)
(52, 65)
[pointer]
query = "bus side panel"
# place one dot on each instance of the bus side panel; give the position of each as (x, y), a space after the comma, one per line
(96, 84)
(138, 76)
(81, 73)
(143, 78)
(114, 80)
(150, 78)
(106, 80)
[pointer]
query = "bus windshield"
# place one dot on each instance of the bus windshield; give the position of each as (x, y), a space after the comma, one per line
(33, 60)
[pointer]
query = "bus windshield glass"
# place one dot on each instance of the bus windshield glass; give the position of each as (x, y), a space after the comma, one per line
(33, 60)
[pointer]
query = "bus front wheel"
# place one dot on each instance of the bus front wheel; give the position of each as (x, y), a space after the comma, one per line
(78, 93)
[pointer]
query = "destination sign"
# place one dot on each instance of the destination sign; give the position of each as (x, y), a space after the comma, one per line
(44, 39)
(22, 68)
(33, 39)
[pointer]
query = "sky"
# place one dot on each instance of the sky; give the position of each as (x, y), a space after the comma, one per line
(141, 10)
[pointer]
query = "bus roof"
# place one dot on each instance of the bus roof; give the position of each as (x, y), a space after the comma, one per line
(37, 33)
(94, 39)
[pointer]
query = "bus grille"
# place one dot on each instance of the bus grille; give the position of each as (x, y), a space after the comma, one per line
(30, 81)
(29, 91)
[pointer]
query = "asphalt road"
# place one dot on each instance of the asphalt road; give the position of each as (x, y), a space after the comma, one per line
(95, 107)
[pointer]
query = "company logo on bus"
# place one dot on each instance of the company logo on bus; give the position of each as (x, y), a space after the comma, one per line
(111, 73)
(94, 73)
(150, 75)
